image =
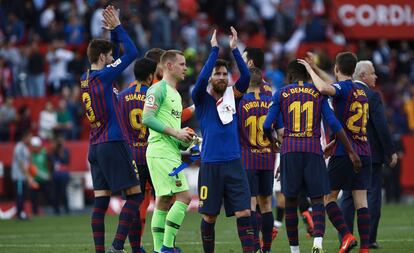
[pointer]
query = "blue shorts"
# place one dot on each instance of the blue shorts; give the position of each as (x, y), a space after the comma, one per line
(343, 177)
(224, 180)
(112, 166)
(303, 173)
(260, 182)
(144, 176)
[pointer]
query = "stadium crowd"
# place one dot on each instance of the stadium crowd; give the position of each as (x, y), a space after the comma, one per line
(42, 45)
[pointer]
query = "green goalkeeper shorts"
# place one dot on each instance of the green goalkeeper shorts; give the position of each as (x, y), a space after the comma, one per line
(165, 185)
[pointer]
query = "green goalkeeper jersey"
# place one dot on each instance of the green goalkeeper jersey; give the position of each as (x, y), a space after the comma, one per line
(162, 109)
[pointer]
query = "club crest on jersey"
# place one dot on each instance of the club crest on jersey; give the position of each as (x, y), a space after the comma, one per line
(150, 101)
(115, 63)
(337, 85)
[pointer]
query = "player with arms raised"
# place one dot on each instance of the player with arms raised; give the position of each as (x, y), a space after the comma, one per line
(110, 157)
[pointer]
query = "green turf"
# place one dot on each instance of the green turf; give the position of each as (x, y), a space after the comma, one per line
(72, 234)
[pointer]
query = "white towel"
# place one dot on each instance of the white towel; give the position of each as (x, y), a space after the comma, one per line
(226, 105)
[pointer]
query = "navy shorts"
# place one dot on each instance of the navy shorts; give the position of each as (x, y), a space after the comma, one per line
(303, 173)
(260, 182)
(224, 180)
(144, 176)
(343, 177)
(112, 166)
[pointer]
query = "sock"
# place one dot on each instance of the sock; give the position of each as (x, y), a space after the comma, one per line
(294, 249)
(158, 228)
(259, 219)
(318, 217)
(98, 223)
(363, 220)
(245, 231)
(253, 222)
(267, 228)
(291, 221)
(134, 235)
(280, 212)
(128, 212)
(207, 236)
(336, 217)
(143, 211)
(173, 222)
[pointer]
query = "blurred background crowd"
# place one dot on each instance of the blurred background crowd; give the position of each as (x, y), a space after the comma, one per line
(43, 43)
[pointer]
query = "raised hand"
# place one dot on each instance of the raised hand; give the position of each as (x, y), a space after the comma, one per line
(306, 64)
(213, 40)
(311, 59)
(233, 38)
(111, 18)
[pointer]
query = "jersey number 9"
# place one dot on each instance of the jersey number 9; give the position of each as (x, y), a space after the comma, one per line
(135, 119)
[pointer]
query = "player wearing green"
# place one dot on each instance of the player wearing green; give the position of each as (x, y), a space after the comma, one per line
(162, 115)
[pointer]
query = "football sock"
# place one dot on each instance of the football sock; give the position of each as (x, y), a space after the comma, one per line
(173, 222)
(291, 221)
(318, 217)
(98, 222)
(245, 231)
(336, 217)
(134, 235)
(255, 227)
(363, 220)
(280, 212)
(267, 228)
(128, 212)
(207, 236)
(158, 228)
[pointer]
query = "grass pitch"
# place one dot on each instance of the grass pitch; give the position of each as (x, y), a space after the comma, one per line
(72, 234)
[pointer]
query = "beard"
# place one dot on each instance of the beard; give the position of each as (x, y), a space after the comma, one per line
(219, 87)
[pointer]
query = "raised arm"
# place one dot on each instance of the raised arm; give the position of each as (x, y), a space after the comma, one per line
(200, 88)
(321, 85)
(242, 84)
(311, 59)
(111, 22)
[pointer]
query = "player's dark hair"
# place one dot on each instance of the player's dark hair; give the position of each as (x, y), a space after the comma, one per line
(154, 54)
(346, 63)
(255, 77)
(97, 47)
(221, 63)
(297, 72)
(256, 55)
(143, 68)
(170, 55)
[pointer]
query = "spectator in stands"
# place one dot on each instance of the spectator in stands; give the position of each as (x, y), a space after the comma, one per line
(77, 67)
(41, 175)
(7, 117)
(47, 121)
(382, 59)
(23, 122)
(64, 119)
(14, 28)
(20, 172)
(6, 77)
(58, 58)
(36, 72)
(74, 31)
(59, 158)
(75, 108)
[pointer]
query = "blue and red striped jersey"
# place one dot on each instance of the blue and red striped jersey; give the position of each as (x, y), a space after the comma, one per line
(266, 88)
(351, 107)
(99, 94)
(256, 150)
(302, 107)
(131, 101)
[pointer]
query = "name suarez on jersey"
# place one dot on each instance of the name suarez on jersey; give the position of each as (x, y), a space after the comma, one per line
(134, 96)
